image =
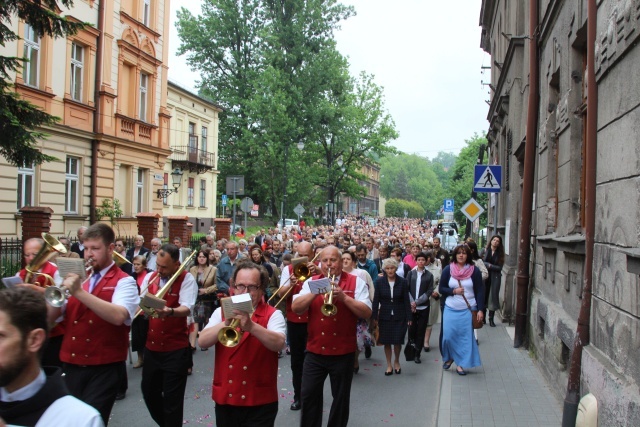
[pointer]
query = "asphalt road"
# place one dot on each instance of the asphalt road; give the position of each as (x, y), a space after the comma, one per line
(408, 399)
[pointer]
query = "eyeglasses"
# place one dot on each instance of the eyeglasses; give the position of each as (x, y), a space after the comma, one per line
(250, 288)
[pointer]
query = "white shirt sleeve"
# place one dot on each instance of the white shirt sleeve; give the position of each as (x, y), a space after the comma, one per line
(284, 276)
(126, 295)
(188, 291)
(144, 287)
(362, 292)
(305, 290)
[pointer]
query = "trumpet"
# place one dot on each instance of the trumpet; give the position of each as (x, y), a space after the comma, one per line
(229, 336)
(163, 291)
(301, 271)
(49, 249)
(56, 295)
(328, 307)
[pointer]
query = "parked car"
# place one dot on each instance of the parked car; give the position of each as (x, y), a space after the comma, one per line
(288, 224)
(448, 239)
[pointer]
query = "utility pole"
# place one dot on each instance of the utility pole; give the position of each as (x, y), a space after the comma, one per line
(480, 159)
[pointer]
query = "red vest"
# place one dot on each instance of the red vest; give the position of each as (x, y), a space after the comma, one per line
(90, 340)
(291, 315)
(170, 333)
(335, 335)
(247, 374)
(50, 269)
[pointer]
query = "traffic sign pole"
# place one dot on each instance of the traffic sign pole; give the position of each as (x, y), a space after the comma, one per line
(481, 150)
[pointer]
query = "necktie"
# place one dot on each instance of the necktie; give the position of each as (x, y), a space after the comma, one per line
(95, 278)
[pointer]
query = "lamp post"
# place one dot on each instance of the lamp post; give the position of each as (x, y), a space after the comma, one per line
(176, 180)
(300, 146)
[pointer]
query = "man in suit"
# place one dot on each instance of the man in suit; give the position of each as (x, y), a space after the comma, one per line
(259, 240)
(78, 247)
(184, 252)
(421, 287)
(137, 248)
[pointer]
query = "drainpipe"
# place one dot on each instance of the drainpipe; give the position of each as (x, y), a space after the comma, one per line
(572, 398)
(524, 250)
(96, 115)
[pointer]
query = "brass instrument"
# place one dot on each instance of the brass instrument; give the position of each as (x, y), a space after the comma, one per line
(49, 249)
(300, 271)
(56, 295)
(151, 312)
(329, 308)
(119, 259)
(229, 336)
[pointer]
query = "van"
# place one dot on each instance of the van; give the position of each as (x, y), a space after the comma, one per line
(288, 223)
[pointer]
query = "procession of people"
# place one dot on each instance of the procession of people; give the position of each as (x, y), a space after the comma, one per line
(319, 294)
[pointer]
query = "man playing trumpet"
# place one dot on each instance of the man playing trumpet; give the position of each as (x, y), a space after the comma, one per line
(167, 355)
(245, 377)
(97, 315)
(332, 339)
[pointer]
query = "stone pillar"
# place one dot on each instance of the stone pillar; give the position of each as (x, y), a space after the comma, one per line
(148, 226)
(178, 228)
(35, 221)
(223, 228)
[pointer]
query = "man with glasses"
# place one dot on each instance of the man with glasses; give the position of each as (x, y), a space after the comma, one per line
(167, 354)
(245, 377)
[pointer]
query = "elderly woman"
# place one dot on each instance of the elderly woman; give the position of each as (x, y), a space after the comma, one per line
(391, 312)
(205, 276)
(242, 247)
(461, 286)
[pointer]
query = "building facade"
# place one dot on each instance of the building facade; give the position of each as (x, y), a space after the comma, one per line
(558, 227)
(194, 147)
(369, 203)
(107, 84)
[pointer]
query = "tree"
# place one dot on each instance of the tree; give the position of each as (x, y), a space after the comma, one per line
(19, 119)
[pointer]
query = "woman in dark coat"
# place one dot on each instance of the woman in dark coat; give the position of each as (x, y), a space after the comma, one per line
(391, 312)
(493, 260)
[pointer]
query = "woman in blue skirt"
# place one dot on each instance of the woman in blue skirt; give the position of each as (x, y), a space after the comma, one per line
(460, 280)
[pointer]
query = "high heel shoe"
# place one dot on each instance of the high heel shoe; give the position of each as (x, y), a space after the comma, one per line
(492, 323)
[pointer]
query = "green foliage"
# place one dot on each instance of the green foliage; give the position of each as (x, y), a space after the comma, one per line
(19, 118)
(110, 210)
(397, 207)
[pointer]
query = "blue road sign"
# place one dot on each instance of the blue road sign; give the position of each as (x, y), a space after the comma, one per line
(224, 200)
(487, 179)
(448, 205)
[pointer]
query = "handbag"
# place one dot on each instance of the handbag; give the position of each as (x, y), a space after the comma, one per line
(477, 324)
(410, 351)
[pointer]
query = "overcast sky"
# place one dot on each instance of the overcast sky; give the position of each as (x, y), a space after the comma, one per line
(424, 53)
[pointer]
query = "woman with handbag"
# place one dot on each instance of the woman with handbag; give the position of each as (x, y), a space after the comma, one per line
(461, 286)
(391, 312)
(494, 260)
(205, 276)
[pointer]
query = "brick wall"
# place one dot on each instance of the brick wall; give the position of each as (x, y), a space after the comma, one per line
(178, 228)
(148, 226)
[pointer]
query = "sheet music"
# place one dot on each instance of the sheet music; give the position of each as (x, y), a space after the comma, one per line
(240, 302)
(320, 286)
(153, 301)
(71, 265)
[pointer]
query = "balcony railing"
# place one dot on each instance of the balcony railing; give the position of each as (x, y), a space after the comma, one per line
(134, 130)
(192, 159)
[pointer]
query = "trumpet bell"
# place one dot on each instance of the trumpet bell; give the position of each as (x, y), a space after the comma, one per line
(55, 296)
(229, 337)
(329, 309)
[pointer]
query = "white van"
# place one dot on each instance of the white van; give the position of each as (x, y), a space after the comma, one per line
(288, 224)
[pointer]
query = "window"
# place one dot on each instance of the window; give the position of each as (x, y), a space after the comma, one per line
(165, 186)
(203, 193)
(140, 190)
(190, 193)
(77, 66)
(32, 56)
(71, 186)
(203, 144)
(144, 84)
(26, 178)
(146, 12)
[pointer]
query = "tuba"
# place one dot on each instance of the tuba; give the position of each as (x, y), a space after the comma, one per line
(50, 248)
(163, 291)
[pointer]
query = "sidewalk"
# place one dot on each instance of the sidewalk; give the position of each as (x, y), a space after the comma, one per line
(507, 390)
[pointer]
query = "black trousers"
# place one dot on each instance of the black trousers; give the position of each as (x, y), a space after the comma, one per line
(164, 380)
(297, 346)
(340, 372)
(94, 385)
(246, 416)
(51, 353)
(418, 328)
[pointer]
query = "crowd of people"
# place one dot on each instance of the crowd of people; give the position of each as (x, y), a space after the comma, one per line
(322, 295)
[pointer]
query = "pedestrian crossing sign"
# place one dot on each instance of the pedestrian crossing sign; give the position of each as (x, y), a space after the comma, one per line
(487, 179)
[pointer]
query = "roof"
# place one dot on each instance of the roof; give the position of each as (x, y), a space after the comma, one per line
(195, 95)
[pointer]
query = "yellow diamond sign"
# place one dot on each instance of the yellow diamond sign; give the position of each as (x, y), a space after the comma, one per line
(472, 209)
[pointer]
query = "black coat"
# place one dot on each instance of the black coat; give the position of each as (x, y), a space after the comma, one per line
(427, 287)
(143, 251)
(384, 303)
(75, 247)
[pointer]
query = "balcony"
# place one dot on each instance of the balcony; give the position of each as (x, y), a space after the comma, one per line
(135, 130)
(192, 159)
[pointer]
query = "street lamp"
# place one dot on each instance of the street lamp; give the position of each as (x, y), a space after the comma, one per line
(176, 180)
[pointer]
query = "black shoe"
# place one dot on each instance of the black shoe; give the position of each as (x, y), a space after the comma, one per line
(295, 406)
(121, 396)
(492, 323)
(367, 351)
(417, 360)
(427, 349)
(356, 369)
